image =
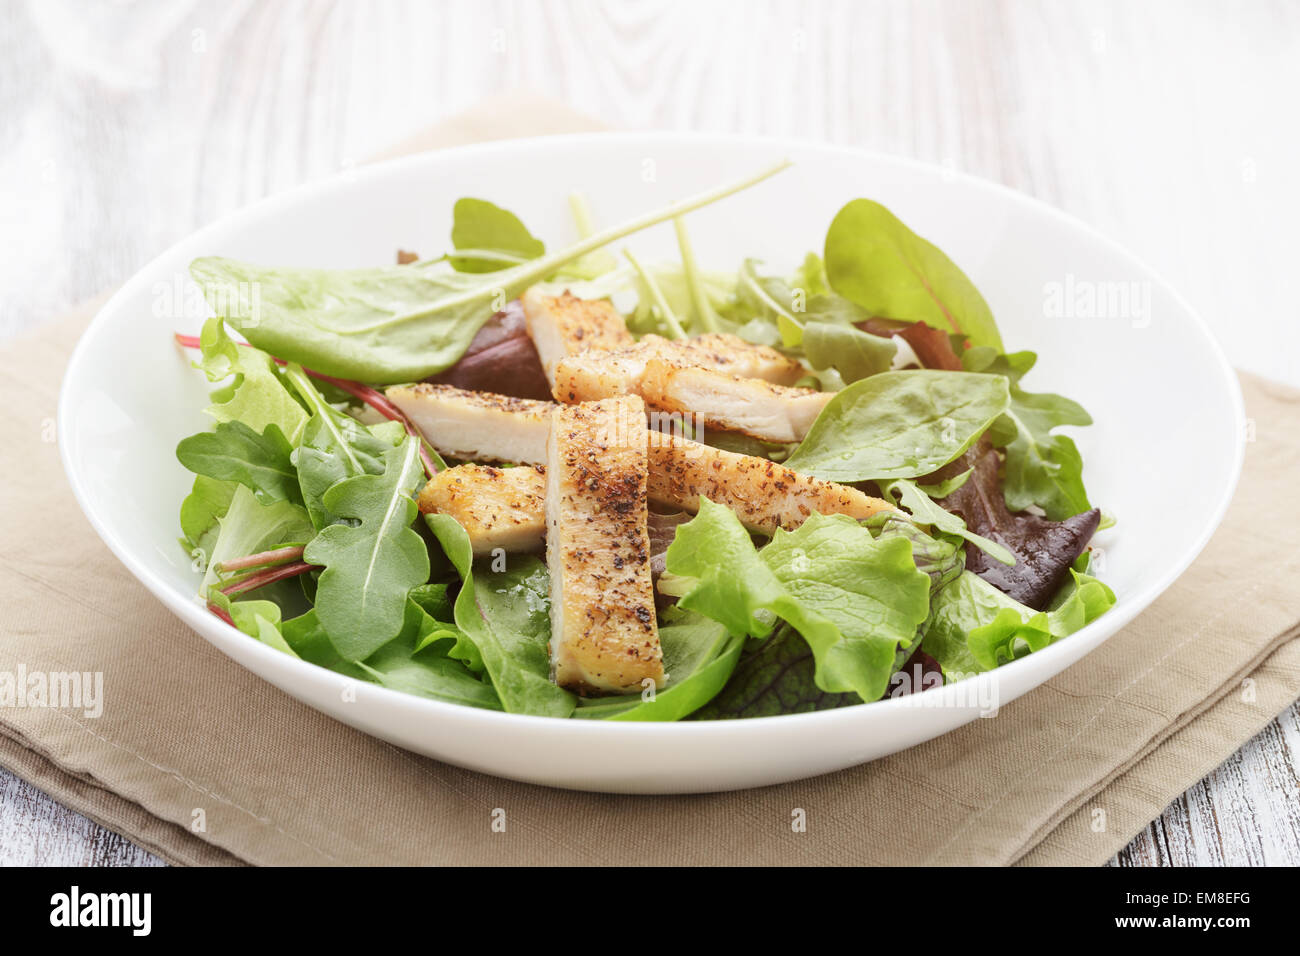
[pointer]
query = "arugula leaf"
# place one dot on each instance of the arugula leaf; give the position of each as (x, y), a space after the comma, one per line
(506, 615)
(974, 627)
(250, 528)
(851, 352)
(234, 452)
(853, 597)
(910, 496)
(877, 262)
(481, 226)
(900, 424)
(409, 663)
(333, 447)
(699, 657)
(389, 324)
(1041, 468)
(371, 565)
(257, 396)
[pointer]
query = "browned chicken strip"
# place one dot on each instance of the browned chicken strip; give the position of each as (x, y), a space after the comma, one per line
(498, 507)
(589, 376)
(476, 425)
(564, 325)
(764, 495)
(604, 633)
(774, 413)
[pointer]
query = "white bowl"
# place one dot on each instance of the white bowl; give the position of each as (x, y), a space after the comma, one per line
(1163, 456)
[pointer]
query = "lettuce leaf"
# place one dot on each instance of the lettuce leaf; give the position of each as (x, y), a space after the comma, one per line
(854, 598)
(256, 396)
(974, 627)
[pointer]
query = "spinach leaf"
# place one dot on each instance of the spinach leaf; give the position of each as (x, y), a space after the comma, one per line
(483, 227)
(1041, 468)
(389, 324)
(900, 424)
(853, 597)
(506, 615)
(699, 657)
(333, 447)
(877, 262)
(771, 299)
(372, 564)
(234, 452)
(851, 352)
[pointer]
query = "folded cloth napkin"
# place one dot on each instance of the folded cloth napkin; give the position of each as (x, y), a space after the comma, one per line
(200, 762)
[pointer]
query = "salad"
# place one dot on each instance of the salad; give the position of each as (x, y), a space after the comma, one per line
(573, 484)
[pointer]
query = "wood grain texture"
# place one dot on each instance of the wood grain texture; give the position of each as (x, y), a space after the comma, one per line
(125, 126)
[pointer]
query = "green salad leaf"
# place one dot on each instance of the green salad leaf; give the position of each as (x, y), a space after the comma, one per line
(911, 496)
(1041, 468)
(249, 527)
(873, 259)
(900, 424)
(506, 614)
(974, 627)
(372, 562)
(201, 513)
(497, 237)
(852, 596)
(333, 447)
(699, 657)
(776, 676)
(850, 351)
(234, 452)
(256, 395)
(390, 324)
(409, 663)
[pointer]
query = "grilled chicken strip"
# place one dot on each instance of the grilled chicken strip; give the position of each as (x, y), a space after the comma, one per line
(604, 633)
(564, 325)
(775, 413)
(589, 376)
(477, 425)
(498, 507)
(509, 512)
(764, 495)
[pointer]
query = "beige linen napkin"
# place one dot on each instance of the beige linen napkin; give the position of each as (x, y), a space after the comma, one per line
(201, 762)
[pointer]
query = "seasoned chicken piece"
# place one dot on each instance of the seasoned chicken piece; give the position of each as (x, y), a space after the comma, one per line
(764, 495)
(589, 376)
(731, 353)
(564, 325)
(476, 425)
(775, 413)
(498, 507)
(604, 633)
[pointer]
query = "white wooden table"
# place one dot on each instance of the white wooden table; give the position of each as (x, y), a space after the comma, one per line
(1169, 126)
